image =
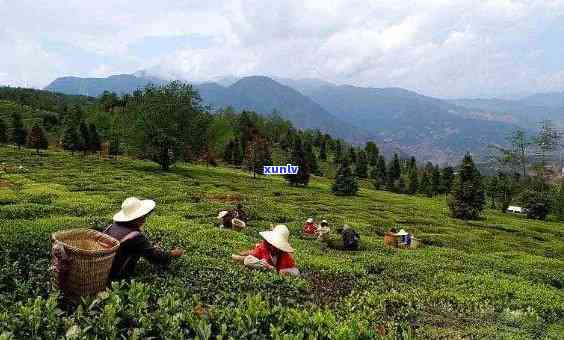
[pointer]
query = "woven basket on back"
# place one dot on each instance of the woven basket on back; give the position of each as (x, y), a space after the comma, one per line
(82, 260)
(390, 240)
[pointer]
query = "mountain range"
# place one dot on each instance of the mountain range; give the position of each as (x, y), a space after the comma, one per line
(397, 119)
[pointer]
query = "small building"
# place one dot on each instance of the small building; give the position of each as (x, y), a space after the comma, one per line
(516, 210)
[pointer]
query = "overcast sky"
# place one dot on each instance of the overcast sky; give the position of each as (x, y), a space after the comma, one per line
(436, 47)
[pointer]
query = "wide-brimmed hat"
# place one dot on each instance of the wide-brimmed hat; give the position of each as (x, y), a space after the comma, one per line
(237, 223)
(401, 233)
(278, 237)
(133, 208)
(222, 214)
(309, 220)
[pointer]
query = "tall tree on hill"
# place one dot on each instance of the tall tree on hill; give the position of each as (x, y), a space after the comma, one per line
(170, 123)
(3, 132)
(361, 167)
(558, 201)
(71, 138)
(413, 183)
(412, 164)
(352, 155)
(258, 153)
(394, 170)
(84, 137)
(338, 151)
(94, 143)
(467, 199)
(504, 191)
(19, 133)
(492, 190)
(345, 183)
(435, 180)
(447, 176)
(299, 158)
(323, 150)
(547, 140)
(38, 139)
(425, 182)
(372, 153)
(379, 173)
(311, 159)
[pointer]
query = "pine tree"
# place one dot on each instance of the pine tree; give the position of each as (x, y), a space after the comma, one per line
(258, 153)
(467, 198)
(337, 151)
(492, 190)
(425, 183)
(228, 152)
(435, 180)
(238, 155)
(379, 173)
(372, 153)
(504, 192)
(412, 164)
(322, 150)
(19, 133)
(447, 176)
(84, 137)
(311, 159)
(401, 185)
(3, 132)
(394, 171)
(38, 139)
(299, 158)
(352, 155)
(345, 183)
(413, 184)
(94, 143)
(71, 138)
(361, 168)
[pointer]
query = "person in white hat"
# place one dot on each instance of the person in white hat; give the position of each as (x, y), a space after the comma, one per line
(404, 238)
(273, 253)
(127, 228)
(310, 228)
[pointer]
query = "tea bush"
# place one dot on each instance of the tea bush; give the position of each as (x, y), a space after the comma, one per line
(500, 276)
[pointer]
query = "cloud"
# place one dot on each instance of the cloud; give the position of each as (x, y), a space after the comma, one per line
(439, 47)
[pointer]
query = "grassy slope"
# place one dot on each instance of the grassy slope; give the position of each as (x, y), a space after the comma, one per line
(501, 275)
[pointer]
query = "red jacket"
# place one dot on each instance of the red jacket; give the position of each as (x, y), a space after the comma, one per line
(285, 260)
(310, 228)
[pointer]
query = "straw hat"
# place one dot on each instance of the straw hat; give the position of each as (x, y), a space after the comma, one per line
(309, 220)
(133, 208)
(278, 237)
(222, 214)
(237, 223)
(401, 233)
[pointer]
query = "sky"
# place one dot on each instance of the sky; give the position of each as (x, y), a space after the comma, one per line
(440, 48)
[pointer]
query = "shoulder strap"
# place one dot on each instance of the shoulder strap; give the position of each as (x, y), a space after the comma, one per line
(107, 228)
(129, 236)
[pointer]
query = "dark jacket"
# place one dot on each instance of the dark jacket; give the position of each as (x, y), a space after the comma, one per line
(351, 239)
(134, 245)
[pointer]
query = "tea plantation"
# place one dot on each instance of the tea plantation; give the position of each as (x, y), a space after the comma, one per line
(498, 277)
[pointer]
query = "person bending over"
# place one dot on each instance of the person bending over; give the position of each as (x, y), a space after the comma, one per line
(128, 229)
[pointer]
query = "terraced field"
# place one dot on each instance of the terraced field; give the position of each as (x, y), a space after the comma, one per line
(501, 276)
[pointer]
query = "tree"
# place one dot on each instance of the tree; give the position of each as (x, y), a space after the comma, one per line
(447, 177)
(372, 153)
(536, 202)
(546, 141)
(258, 153)
(492, 190)
(94, 143)
(71, 138)
(520, 145)
(345, 183)
(299, 158)
(379, 173)
(400, 185)
(84, 137)
(413, 183)
(435, 180)
(412, 164)
(323, 150)
(3, 132)
(425, 183)
(467, 198)
(38, 139)
(361, 168)
(352, 155)
(311, 159)
(170, 123)
(558, 201)
(19, 133)
(394, 170)
(504, 192)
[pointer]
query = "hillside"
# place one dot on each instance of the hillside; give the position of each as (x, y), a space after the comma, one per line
(424, 126)
(120, 84)
(497, 277)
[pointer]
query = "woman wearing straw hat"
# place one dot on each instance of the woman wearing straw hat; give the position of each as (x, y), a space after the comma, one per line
(128, 228)
(404, 238)
(273, 253)
(310, 228)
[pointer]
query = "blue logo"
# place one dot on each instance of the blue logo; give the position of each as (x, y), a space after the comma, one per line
(287, 169)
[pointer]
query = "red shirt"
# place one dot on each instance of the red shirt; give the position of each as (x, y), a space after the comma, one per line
(310, 228)
(285, 260)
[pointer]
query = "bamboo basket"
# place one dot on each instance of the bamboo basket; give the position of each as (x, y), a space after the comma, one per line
(390, 240)
(82, 260)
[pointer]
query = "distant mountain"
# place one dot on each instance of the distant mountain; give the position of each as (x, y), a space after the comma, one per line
(525, 112)
(430, 128)
(120, 84)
